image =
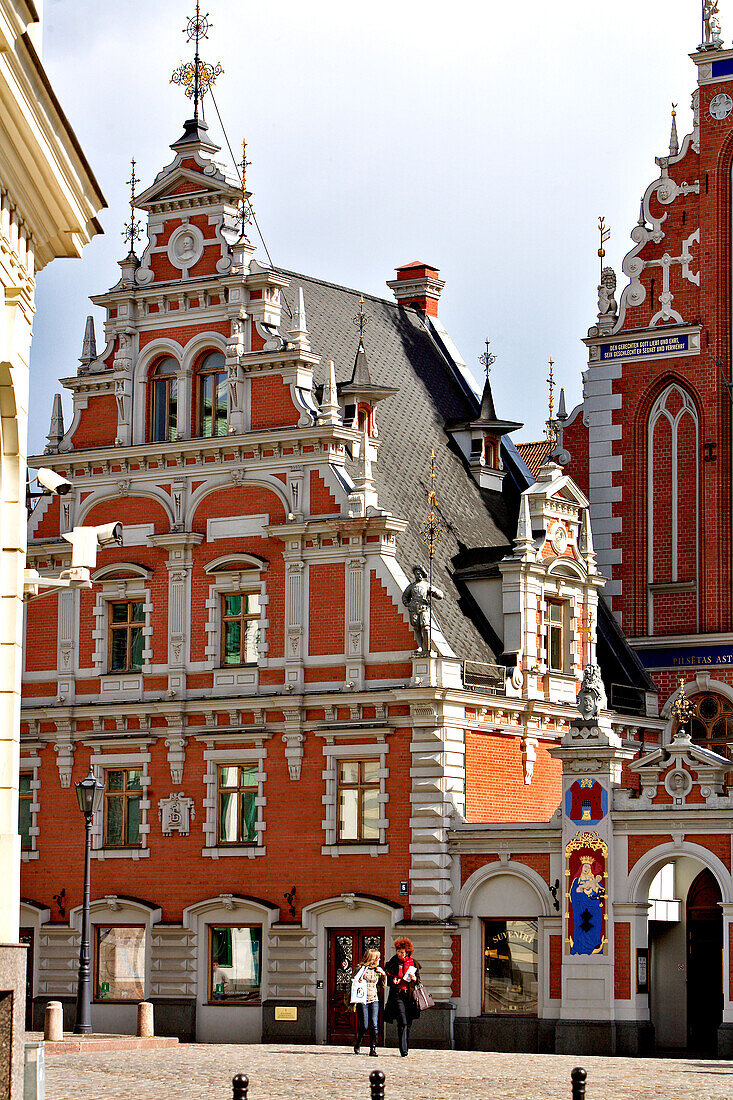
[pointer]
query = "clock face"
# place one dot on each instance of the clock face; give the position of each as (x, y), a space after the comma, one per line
(721, 105)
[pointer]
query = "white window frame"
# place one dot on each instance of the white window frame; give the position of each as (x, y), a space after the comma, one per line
(255, 753)
(334, 752)
(32, 763)
(115, 591)
(108, 761)
(250, 577)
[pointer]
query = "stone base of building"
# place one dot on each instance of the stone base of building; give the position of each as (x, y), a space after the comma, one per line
(502, 1033)
(725, 1042)
(585, 1037)
(12, 1018)
(432, 1031)
(300, 1030)
(175, 1017)
(635, 1039)
(526, 1034)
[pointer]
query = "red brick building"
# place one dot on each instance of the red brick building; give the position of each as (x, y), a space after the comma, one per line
(286, 778)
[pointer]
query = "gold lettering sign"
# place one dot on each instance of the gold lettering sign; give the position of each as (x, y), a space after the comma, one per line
(286, 1012)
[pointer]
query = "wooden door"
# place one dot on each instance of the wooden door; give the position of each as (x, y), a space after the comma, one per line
(346, 947)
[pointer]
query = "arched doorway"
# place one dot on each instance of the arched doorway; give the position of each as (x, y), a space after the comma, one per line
(704, 964)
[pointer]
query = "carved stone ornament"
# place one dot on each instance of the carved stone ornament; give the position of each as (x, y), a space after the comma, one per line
(176, 813)
(592, 695)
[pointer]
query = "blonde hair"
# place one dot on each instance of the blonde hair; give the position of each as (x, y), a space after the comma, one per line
(370, 955)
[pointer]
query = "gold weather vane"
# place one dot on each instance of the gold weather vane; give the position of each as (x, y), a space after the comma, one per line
(431, 532)
(361, 320)
(132, 231)
(487, 360)
(605, 232)
(196, 76)
(551, 431)
(246, 212)
(682, 708)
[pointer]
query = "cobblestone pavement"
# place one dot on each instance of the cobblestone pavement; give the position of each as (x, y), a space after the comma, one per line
(315, 1073)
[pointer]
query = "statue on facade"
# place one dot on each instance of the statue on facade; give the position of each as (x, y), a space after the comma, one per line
(592, 695)
(607, 305)
(416, 598)
(711, 25)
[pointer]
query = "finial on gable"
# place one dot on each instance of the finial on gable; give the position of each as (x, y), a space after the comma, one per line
(132, 231)
(298, 334)
(89, 345)
(56, 429)
(330, 409)
(198, 76)
(674, 145)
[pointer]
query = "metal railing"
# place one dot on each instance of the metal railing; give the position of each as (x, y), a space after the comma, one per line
(482, 676)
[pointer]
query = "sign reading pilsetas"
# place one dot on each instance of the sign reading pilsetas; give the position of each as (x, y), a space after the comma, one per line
(645, 346)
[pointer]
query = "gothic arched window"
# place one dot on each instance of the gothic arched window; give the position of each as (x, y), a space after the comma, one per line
(212, 395)
(711, 723)
(164, 402)
(672, 512)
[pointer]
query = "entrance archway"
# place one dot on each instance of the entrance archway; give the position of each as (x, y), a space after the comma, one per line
(704, 964)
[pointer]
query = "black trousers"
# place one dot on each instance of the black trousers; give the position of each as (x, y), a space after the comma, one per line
(404, 1019)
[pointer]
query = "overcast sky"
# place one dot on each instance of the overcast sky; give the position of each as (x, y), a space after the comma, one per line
(481, 136)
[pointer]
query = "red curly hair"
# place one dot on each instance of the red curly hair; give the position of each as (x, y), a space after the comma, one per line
(403, 944)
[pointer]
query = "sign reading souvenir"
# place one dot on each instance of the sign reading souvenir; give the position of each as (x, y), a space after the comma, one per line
(586, 880)
(648, 345)
(586, 801)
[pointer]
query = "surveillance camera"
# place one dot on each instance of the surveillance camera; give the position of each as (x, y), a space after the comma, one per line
(109, 532)
(52, 481)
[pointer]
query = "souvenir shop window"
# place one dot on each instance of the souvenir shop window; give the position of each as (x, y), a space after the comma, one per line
(25, 813)
(122, 810)
(240, 628)
(212, 395)
(238, 787)
(126, 639)
(119, 963)
(510, 984)
(235, 954)
(358, 800)
(164, 403)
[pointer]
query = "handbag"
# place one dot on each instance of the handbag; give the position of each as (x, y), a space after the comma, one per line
(422, 997)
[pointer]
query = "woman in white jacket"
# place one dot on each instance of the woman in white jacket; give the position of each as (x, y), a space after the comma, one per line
(365, 997)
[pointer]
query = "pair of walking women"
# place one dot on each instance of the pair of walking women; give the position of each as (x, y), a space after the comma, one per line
(400, 975)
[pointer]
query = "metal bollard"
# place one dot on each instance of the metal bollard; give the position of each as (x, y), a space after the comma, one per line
(578, 1077)
(240, 1084)
(376, 1084)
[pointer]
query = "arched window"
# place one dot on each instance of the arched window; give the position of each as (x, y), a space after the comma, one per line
(212, 395)
(165, 400)
(672, 512)
(711, 723)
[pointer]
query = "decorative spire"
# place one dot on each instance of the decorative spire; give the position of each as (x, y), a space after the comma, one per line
(642, 216)
(132, 231)
(431, 531)
(298, 335)
(246, 212)
(56, 429)
(550, 425)
(89, 345)
(361, 319)
(487, 360)
(524, 542)
(198, 76)
(605, 233)
(330, 409)
(674, 145)
(363, 495)
(682, 708)
(558, 453)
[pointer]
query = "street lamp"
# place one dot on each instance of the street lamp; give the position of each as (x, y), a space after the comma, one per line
(89, 793)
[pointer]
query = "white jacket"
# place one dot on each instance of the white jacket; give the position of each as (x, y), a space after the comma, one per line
(359, 987)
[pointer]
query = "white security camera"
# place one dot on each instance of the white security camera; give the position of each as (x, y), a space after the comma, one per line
(52, 481)
(86, 541)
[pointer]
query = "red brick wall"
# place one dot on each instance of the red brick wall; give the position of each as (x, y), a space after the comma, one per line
(271, 403)
(495, 787)
(388, 631)
(327, 588)
(41, 634)
(555, 968)
(622, 961)
(323, 502)
(98, 423)
(455, 986)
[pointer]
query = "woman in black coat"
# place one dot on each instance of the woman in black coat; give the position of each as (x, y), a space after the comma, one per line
(401, 1006)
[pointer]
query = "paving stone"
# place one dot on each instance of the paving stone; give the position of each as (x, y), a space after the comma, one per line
(202, 1072)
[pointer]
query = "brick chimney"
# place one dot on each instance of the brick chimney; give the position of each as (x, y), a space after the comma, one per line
(417, 285)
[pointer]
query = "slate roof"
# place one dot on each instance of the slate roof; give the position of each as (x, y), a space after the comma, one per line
(403, 353)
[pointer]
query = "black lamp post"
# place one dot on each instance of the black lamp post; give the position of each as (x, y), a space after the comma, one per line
(89, 793)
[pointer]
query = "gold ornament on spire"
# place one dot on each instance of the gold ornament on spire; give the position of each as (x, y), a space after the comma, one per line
(196, 76)
(550, 425)
(605, 232)
(431, 532)
(132, 231)
(361, 320)
(246, 213)
(682, 708)
(487, 360)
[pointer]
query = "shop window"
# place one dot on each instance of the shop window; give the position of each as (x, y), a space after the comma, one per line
(235, 954)
(122, 810)
(212, 395)
(555, 635)
(510, 967)
(358, 800)
(126, 642)
(25, 814)
(238, 786)
(119, 971)
(164, 404)
(711, 723)
(240, 628)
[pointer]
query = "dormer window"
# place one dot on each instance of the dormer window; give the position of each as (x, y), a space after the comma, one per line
(555, 635)
(165, 400)
(212, 395)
